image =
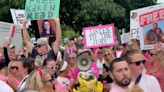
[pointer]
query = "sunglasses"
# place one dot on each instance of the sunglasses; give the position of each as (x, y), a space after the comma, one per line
(53, 67)
(138, 62)
(151, 54)
(106, 55)
(14, 67)
(71, 58)
(38, 46)
(50, 80)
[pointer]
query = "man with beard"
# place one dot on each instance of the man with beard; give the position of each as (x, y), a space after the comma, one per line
(120, 74)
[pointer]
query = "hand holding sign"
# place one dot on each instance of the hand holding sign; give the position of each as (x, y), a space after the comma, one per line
(24, 21)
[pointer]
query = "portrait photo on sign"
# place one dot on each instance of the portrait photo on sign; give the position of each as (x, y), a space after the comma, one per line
(153, 33)
(46, 28)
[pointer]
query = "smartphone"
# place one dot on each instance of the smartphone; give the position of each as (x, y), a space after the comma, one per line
(7, 39)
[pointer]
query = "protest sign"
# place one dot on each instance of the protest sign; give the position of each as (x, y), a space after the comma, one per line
(41, 9)
(99, 36)
(134, 23)
(118, 53)
(151, 23)
(18, 16)
(125, 38)
(46, 28)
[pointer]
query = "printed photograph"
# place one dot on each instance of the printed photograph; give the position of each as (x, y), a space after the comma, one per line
(46, 28)
(153, 33)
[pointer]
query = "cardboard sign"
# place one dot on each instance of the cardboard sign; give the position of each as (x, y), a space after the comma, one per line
(151, 23)
(99, 36)
(134, 22)
(118, 53)
(41, 9)
(125, 38)
(18, 16)
(46, 28)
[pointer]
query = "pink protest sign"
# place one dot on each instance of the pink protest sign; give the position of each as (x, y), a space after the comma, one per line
(99, 36)
(118, 53)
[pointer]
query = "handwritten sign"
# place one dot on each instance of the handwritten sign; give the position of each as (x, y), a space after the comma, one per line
(118, 54)
(125, 38)
(99, 36)
(151, 24)
(41, 9)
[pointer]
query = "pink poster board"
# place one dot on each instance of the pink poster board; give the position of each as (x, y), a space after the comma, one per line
(99, 36)
(118, 53)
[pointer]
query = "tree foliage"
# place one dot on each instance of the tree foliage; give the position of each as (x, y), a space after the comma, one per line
(6, 5)
(76, 14)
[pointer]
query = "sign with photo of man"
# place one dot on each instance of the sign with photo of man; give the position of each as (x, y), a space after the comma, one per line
(151, 23)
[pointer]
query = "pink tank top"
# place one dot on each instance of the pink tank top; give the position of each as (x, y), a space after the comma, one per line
(158, 74)
(16, 81)
(69, 75)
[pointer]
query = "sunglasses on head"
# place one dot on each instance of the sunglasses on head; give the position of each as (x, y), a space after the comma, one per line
(151, 54)
(106, 54)
(50, 80)
(71, 58)
(53, 67)
(138, 62)
(14, 67)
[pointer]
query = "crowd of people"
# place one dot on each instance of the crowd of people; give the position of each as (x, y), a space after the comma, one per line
(43, 68)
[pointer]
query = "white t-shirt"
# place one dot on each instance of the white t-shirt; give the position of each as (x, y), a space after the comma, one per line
(148, 83)
(4, 87)
(100, 66)
(22, 84)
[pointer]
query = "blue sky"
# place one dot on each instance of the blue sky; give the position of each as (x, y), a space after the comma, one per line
(159, 1)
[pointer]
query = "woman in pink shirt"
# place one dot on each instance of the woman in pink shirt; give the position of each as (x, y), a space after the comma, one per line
(71, 65)
(153, 68)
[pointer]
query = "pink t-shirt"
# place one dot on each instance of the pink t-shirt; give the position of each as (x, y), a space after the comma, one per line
(93, 68)
(116, 88)
(69, 75)
(62, 83)
(159, 74)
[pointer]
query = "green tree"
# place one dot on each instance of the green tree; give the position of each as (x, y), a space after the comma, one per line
(84, 13)
(6, 5)
(131, 5)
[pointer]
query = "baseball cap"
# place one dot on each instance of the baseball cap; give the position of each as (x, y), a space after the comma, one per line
(12, 46)
(100, 51)
(41, 41)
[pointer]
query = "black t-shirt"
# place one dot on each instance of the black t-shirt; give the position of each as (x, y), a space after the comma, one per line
(151, 35)
(50, 54)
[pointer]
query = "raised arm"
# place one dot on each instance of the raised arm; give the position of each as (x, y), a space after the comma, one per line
(5, 52)
(56, 44)
(26, 37)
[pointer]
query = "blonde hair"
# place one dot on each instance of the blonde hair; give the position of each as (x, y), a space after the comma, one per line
(39, 62)
(135, 89)
(36, 81)
(8, 68)
(112, 55)
(60, 64)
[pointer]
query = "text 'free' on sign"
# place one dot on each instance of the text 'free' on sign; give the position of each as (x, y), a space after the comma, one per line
(41, 9)
(99, 36)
